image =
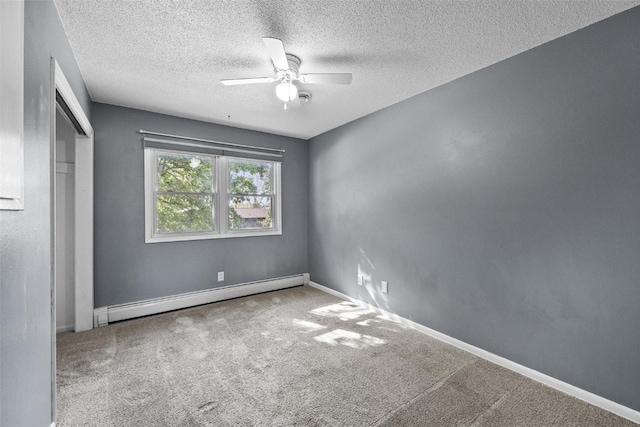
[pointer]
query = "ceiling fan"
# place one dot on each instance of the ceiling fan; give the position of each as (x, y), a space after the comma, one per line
(286, 67)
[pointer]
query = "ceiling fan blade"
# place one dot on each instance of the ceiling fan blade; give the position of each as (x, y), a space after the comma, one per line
(231, 82)
(330, 78)
(276, 50)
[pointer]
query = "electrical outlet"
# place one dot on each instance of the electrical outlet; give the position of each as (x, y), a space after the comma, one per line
(220, 276)
(360, 280)
(385, 287)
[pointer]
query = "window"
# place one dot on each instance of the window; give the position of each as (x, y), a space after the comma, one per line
(184, 194)
(250, 194)
(193, 196)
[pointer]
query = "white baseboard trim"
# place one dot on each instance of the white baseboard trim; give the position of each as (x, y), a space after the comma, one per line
(114, 313)
(562, 386)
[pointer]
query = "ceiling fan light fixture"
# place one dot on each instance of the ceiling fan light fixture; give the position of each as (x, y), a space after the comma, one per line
(286, 67)
(286, 91)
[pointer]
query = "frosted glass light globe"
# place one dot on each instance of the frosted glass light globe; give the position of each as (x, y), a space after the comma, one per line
(286, 91)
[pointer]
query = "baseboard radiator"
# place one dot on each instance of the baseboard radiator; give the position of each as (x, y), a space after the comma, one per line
(102, 316)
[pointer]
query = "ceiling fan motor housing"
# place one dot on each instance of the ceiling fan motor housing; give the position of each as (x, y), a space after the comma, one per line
(294, 66)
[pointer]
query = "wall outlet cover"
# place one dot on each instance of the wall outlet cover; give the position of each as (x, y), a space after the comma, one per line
(385, 287)
(220, 276)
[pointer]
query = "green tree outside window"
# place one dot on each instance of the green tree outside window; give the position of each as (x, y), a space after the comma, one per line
(184, 197)
(250, 194)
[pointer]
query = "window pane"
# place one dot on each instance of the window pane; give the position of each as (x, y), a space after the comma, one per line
(185, 172)
(184, 213)
(250, 177)
(250, 212)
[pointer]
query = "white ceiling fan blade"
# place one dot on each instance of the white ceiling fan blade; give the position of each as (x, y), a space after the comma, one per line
(330, 78)
(231, 82)
(276, 50)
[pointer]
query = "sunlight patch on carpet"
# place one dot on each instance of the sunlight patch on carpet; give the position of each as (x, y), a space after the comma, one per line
(349, 339)
(308, 326)
(343, 311)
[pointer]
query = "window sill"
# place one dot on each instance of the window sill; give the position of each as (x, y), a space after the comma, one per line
(185, 237)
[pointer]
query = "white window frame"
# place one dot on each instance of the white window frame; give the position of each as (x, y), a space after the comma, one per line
(220, 201)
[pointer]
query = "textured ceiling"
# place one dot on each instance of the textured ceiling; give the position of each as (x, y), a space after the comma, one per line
(168, 56)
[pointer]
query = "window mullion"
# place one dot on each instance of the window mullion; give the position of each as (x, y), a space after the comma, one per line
(222, 208)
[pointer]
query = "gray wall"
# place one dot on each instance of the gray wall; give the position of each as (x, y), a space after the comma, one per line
(25, 264)
(127, 269)
(503, 208)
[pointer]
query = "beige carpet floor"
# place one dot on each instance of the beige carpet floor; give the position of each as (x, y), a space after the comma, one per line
(296, 357)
